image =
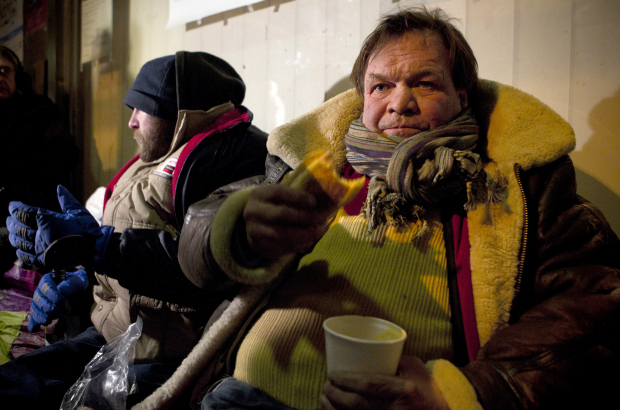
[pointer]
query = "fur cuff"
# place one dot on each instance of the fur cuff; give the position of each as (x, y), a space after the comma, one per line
(456, 389)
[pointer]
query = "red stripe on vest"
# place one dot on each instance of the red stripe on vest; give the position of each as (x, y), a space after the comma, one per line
(110, 187)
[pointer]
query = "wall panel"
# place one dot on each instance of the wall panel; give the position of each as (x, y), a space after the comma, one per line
(192, 39)
(594, 110)
(542, 51)
(310, 45)
(370, 12)
(491, 36)
(233, 36)
(140, 44)
(211, 37)
(281, 66)
(342, 44)
(256, 62)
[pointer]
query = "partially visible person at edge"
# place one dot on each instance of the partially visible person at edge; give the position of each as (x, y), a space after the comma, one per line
(194, 135)
(36, 148)
(505, 280)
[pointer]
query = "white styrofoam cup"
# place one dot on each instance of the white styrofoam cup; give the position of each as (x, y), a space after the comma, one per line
(363, 344)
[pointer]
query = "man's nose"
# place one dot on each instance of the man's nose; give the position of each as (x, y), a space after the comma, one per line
(403, 100)
(133, 121)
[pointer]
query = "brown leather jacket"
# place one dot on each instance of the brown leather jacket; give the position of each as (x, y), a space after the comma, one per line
(562, 345)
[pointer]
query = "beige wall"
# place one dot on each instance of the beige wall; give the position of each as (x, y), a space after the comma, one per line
(295, 53)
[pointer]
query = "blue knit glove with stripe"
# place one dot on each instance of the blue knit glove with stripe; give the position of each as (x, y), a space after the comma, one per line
(32, 229)
(51, 298)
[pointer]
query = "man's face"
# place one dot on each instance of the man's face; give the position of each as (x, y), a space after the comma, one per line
(408, 87)
(153, 134)
(7, 78)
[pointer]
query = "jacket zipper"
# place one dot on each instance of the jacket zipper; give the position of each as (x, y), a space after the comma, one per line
(517, 170)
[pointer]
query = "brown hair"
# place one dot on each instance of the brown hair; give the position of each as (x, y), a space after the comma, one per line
(463, 64)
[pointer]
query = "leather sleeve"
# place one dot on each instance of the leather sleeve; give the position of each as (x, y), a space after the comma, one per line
(561, 349)
(195, 257)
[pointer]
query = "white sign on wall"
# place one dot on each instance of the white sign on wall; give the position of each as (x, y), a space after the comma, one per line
(185, 11)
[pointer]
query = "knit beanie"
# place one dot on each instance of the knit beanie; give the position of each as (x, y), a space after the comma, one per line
(205, 81)
(154, 91)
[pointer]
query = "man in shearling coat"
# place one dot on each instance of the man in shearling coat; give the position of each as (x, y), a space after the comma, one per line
(506, 281)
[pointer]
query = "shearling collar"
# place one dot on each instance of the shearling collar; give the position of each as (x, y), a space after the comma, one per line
(515, 128)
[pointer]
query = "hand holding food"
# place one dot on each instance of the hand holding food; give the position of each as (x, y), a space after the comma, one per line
(281, 220)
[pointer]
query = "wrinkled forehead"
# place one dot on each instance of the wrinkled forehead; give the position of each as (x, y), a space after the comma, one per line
(410, 42)
(413, 54)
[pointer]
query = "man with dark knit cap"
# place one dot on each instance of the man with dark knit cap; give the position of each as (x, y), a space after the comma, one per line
(194, 136)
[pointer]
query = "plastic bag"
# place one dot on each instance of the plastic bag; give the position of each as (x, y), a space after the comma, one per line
(108, 378)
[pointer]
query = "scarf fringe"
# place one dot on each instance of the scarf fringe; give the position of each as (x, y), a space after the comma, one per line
(395, 210)
(398, 210)
(489, 191)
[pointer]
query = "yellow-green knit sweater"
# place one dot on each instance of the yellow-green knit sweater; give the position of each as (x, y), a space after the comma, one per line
(384, 274)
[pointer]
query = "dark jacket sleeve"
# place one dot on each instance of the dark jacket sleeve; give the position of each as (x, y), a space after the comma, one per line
(218, 160)
(145, 262)
(194, 252)
(561, 349)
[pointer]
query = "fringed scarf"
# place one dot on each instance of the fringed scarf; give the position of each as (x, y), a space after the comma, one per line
(411, 174)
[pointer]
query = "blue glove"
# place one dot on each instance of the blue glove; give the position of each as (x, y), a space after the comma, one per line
(22, 225)
(32, 229)
(50, 299)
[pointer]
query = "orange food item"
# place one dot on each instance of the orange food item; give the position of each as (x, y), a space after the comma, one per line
(317, 174)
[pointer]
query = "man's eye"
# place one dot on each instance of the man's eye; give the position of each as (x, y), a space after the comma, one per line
(427, 84)
(380, 87)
